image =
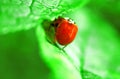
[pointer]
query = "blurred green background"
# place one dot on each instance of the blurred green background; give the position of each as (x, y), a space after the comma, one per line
(25, 53)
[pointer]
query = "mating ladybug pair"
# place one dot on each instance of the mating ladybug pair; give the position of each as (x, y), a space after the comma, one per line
(65, 30)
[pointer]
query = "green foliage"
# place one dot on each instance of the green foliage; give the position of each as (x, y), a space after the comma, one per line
(26, 51)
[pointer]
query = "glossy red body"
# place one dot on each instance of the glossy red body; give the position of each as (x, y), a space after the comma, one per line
(65, 30)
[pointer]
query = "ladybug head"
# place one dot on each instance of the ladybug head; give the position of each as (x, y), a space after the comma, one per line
(57, 21)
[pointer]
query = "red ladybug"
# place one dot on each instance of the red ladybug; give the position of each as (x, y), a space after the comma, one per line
(65, 30)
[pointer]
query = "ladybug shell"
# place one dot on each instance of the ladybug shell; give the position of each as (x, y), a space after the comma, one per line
(65, 32)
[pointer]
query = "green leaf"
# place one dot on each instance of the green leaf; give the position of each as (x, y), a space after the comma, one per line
(28, 54)
(16, 15)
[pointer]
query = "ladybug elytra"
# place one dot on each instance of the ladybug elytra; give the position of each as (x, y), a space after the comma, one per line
(65, 30)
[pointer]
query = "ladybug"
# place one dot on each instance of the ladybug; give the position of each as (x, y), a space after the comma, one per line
(65, 30)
